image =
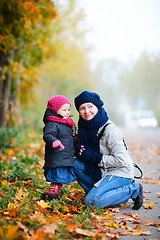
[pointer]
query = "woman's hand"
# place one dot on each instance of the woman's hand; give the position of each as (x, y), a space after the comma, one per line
(90, 155)
(81, 150)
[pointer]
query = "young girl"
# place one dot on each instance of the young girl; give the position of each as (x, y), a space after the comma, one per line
(59, 148)
(103, 166)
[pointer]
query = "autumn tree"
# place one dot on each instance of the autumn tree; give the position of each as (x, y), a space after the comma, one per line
(24, 43)
(67, 72)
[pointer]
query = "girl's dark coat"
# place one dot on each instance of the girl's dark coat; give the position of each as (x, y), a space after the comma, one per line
(56, 157)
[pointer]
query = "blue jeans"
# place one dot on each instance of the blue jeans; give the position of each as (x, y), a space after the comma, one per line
(113, 190)
(84, 179)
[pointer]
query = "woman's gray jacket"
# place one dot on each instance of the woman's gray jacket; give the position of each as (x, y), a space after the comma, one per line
(116, 159)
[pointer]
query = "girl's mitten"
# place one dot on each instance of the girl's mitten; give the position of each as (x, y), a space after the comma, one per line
(57, 144)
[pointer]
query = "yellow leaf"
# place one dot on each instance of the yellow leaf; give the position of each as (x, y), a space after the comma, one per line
(112, 224)
(21, 195)
(52, 219)
(38, 216)
(1, 232)
(149, 205)
(4, 183)
(66, 209)
(12, 232)
(43, 204)
(10, 152)
(12, 205)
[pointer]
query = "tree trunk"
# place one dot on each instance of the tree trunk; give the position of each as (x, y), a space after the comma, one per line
(5, 87)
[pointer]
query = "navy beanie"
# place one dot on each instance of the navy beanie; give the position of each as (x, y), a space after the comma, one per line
(86, 97)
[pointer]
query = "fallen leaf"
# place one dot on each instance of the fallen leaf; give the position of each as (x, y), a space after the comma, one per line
(138, 231)
(149, 205)
(21, 195)
(147, 191)
(116, 210)
(135, 216)
(73, 209)
(148, 177)
(12, 232)
(52, 219)
(112, 235)
(50, 228)
(145, 197)
(85, 232)
(71, 227)
(39, 234)
(38, 216)
(22, 226)
(155, 223)
(150, 182)
(108, 217)
(14, 212)
(11, 206)
(130, 219)
(43, 204)
(112, 224)
(124, 205)
(4, 183)
(66, 209)
(10, 152)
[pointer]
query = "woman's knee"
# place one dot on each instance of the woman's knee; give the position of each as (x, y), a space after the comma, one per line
(91, 200)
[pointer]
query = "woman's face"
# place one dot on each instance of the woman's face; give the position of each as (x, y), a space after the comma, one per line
(87, 111)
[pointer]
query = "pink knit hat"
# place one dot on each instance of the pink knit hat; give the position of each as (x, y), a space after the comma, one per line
(55, 103)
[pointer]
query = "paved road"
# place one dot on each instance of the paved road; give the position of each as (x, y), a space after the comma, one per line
(144, 147)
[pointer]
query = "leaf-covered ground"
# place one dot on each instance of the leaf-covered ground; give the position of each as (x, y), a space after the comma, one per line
(26, 213)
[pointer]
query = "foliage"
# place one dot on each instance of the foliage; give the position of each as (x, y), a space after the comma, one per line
(67, 72)
(26, 213)
(7, 137)
(25, 43)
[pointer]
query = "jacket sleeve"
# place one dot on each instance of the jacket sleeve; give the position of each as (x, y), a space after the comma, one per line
(50, 132)
(113, 148)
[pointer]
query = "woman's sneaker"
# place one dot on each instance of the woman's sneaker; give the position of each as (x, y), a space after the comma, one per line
(139, 199)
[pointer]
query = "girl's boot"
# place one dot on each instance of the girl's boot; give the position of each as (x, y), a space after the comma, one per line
(55, 190)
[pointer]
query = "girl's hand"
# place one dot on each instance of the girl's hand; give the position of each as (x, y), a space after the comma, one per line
(57, 144)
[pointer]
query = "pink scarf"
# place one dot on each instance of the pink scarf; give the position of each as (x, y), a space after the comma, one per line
(69, 121)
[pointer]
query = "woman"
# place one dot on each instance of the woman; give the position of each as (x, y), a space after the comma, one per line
(103, 166)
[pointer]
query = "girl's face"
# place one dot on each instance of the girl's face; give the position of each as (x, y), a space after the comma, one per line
(65, 110)
(87, 111)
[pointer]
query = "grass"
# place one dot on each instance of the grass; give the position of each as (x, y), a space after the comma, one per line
(23, 198)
